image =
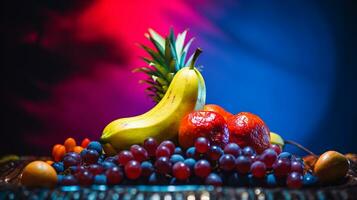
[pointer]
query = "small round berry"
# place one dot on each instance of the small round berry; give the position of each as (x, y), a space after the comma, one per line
(163, 165)
(132, 169)
(227, 162)
(248, 151)
(202, 168)
(85, 177)
(202, 145)
(150, 144)
(162, 151)
(114, 175)
(276, 148)
(190, 162)
(233, 149)
(181, 171)
(139, 153)
(268, 157)
(146, 168)
(296, 166)
(95, 146)
(214, 153)
(258, 169)
(294, 180)
(243, 164)
(100, 179)
(91, 156)
(176, 158)
(178, 150)
(213, 179)
(281, 167)
(124, 157)
(169, 145)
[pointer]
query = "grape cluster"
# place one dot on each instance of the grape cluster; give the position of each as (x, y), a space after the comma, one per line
(163, 163)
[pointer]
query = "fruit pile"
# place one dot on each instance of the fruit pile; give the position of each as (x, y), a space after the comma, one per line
(181, 140)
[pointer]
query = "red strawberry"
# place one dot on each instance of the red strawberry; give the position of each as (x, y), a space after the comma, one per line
(203, 124)
(247, 129)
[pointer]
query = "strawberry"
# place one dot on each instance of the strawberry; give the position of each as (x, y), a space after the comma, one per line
(203, 124)
(247, 129)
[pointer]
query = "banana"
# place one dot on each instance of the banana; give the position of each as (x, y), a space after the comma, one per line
(276, 139)
(187, 92)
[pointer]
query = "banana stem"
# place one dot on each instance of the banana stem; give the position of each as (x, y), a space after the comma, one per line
(195, 56)
(300, 147)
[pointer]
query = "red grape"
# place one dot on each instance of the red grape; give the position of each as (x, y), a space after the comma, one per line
(146, 168)
(91, 156)
(243, 164)
(71, 159)
(276, 148)
(124, 157)
(248, 151)
(202, 168)
(232, 148)
(281, 167)
(227, 162)
(268, 157)
(150, 145)
(162, 151)
(139, 153)
(202, 145)
(258, 169)
(132, 169)
(85, 177)
(296, 166)
(181, 171)
(69, 180)
(96, 169)
(163, 165)
(169, 145)
(294, 180)
(114, 175)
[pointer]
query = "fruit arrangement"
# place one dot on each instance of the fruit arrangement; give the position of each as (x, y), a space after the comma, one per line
(183, 141)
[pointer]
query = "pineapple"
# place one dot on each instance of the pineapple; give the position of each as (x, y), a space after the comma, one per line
(167, 58)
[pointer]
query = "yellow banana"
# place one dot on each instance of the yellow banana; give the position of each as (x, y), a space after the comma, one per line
(186, 93)
(276, 139)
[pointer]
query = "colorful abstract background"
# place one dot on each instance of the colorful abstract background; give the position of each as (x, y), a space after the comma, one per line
(66, 66)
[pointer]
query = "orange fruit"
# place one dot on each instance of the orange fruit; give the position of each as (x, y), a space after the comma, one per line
(58, 152)
(218, 109)
(39, 174)
(85, 142)
(70, 143)
(50, 162)
(78, 149)
(331, 167)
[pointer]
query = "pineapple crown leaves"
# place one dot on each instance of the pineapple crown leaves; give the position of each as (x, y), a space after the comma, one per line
(166, 58)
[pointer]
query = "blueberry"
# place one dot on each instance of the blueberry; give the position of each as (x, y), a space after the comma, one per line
(58, 166)
(213, 179)
(190, 152)
(190, 162)
(285, 155)
(106, 165)
(100, 179)
(59, 178)
(146, 168)
(178, 150)
(95, 146)
(157, 179)
(271, 180)
(176, 158)
(309, 179)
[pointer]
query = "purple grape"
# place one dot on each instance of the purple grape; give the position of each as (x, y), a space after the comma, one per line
(202, 145)
(106, 165)
(124, 157)
(202, 168)
(214, 153)
(69, 180)
(258, 169)
(294, 180)
(91, 156)
(150, 145)
(139, 153)
(233, 149)
(268, 156)
(214, 179)
(169, 145)
(281, 167)
(132, 169)
(227, 162)
(296, 166)
(181, 171)
(248, 151)
(85, 177)
(163, 165)
(95, 169)
(114, 175)
(71, 159)
(243, 164)
(162, 151)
